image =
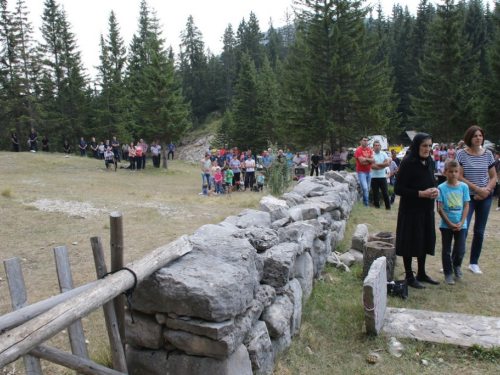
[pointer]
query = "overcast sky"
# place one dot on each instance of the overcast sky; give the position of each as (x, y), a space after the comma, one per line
(89, 18)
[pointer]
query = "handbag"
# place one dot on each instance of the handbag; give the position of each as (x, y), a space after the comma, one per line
(398, 288)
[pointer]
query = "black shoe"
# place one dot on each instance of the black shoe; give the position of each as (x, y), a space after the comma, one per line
(414, 284)
(427, 279)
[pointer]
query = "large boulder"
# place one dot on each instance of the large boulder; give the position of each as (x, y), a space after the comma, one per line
(300, 233)
(215, 281)
(278, 264)
(182, 364)
(253, 218)
(277, 316)
(260, 349)
(304, 273)
(277, 208)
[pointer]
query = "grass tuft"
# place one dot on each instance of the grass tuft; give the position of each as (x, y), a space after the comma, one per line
(6, 193)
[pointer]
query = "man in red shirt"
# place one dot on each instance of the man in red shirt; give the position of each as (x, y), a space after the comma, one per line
(364, 160)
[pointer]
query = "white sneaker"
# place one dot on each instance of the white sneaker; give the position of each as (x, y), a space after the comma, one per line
(475, 269)
(497, 209)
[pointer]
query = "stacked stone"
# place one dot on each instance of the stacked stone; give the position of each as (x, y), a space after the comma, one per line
(235, 301)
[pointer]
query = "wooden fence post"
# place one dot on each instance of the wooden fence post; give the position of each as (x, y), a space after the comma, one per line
(116, 243)
(115, 341)
(76, 335)
(19, 299)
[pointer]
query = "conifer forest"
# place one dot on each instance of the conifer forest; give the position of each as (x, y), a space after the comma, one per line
(336, 70)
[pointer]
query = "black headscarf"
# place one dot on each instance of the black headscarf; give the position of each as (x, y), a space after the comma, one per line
(413, 152)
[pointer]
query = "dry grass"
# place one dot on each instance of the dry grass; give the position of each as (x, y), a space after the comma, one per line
(159, 206)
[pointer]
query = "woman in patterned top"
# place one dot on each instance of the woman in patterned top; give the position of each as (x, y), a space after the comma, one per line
(478, 172)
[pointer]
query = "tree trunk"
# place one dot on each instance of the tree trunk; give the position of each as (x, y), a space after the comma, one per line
(376, 249)
(164, 153)
(388, 237)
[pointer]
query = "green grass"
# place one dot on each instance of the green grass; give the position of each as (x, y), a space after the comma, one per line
(6, 193)
(332, 319)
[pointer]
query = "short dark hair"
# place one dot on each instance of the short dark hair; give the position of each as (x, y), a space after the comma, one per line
(469, 134)
(451, 163)
(377, 142)
(362, 137)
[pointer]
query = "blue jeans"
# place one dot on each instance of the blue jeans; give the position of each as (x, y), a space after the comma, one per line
(452, 259)
(218, 188)
(365, 179)
(206, 179)
(482, 210)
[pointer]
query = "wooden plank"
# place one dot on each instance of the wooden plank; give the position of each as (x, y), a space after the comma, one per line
(115, 342)
(117, 262)
(22, 339)
(19, 299)
(16, 318)
(73, 362)
(75, 330)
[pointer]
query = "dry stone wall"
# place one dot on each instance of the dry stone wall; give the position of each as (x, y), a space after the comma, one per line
(235, 301)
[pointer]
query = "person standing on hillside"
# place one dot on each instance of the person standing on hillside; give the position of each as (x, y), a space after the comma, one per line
(364, 160)
(83, 147)
(144, 147)
(171, 150)
(379, 178)
(33, 140)
(45, 144)
(66, 147)
(116, 149)
(95, 148)
(314, 163)
(15, 142)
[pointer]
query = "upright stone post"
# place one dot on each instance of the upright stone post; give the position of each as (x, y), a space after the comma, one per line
(377, 249)
(375, 296)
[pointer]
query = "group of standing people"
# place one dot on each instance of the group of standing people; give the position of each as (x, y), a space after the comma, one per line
(467, 193)
(336, 161)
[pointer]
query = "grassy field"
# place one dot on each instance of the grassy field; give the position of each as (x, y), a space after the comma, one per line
(47, 200)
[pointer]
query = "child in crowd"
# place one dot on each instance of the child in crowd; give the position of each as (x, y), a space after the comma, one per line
(101, 151)
(228, 177)
(453, 207)
(207, 192)
(218, 179)
(260, 181)
(109, 158)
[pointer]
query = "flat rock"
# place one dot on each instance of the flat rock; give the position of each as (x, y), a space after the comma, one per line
(375, 296)
(358, 257)
(212, 330)
(329, 202)
(309, 211)
(210, 230)
(278, 264)
(182, 364)
(293, 199)
(295, 214)
(144, 332)
(307, 187)
(277, 316)
(280, 223)
(215, 282)
(253, 218)
(333, 175)
(304, 273)
(348, 259)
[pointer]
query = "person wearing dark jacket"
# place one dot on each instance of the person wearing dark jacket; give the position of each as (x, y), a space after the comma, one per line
(416, 227)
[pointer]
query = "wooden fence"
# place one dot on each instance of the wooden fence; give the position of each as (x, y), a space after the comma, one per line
(24, 331)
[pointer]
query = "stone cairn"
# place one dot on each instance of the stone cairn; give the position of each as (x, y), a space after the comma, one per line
(233, 303)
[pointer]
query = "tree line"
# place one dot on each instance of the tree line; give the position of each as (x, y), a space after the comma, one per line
(337, 69)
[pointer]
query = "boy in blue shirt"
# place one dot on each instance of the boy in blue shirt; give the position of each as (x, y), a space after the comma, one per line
(453, 207)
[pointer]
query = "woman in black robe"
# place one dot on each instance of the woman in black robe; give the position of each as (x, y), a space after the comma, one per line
(416, 228)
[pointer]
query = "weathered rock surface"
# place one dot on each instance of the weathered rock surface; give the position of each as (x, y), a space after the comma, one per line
(300, 233)
(215, 282)
(295, 214)
(309, 211)
(319, 254)
(296, 292)
(347, 258)
(304, 273)
(277, 316)
(144, 332)
(375, 296)
(360, 237)
(216, 231)
(212, 330)
(278, 264)
(260, 348)
(277, 208)
(358, 257)
(280, 223)
(307, 187)
(262, 238)
(281, 343)
(182, 364)
(146, 361)
(293, 199)
(330, 202)
(253, 218)
(333, 175)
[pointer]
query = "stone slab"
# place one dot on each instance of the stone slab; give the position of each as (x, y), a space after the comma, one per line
(213, 330)
(447, 328)
(375, 296)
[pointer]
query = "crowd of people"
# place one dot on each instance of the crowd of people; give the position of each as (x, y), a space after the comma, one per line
(111, 152)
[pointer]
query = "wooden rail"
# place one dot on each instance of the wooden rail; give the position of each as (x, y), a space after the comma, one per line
(24, 338)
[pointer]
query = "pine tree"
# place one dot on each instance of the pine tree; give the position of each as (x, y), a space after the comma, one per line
(447, 70)
(228, 61)
(268, 101)
(474, 30)
(334, 92)
(274, 47)
(194, 71)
